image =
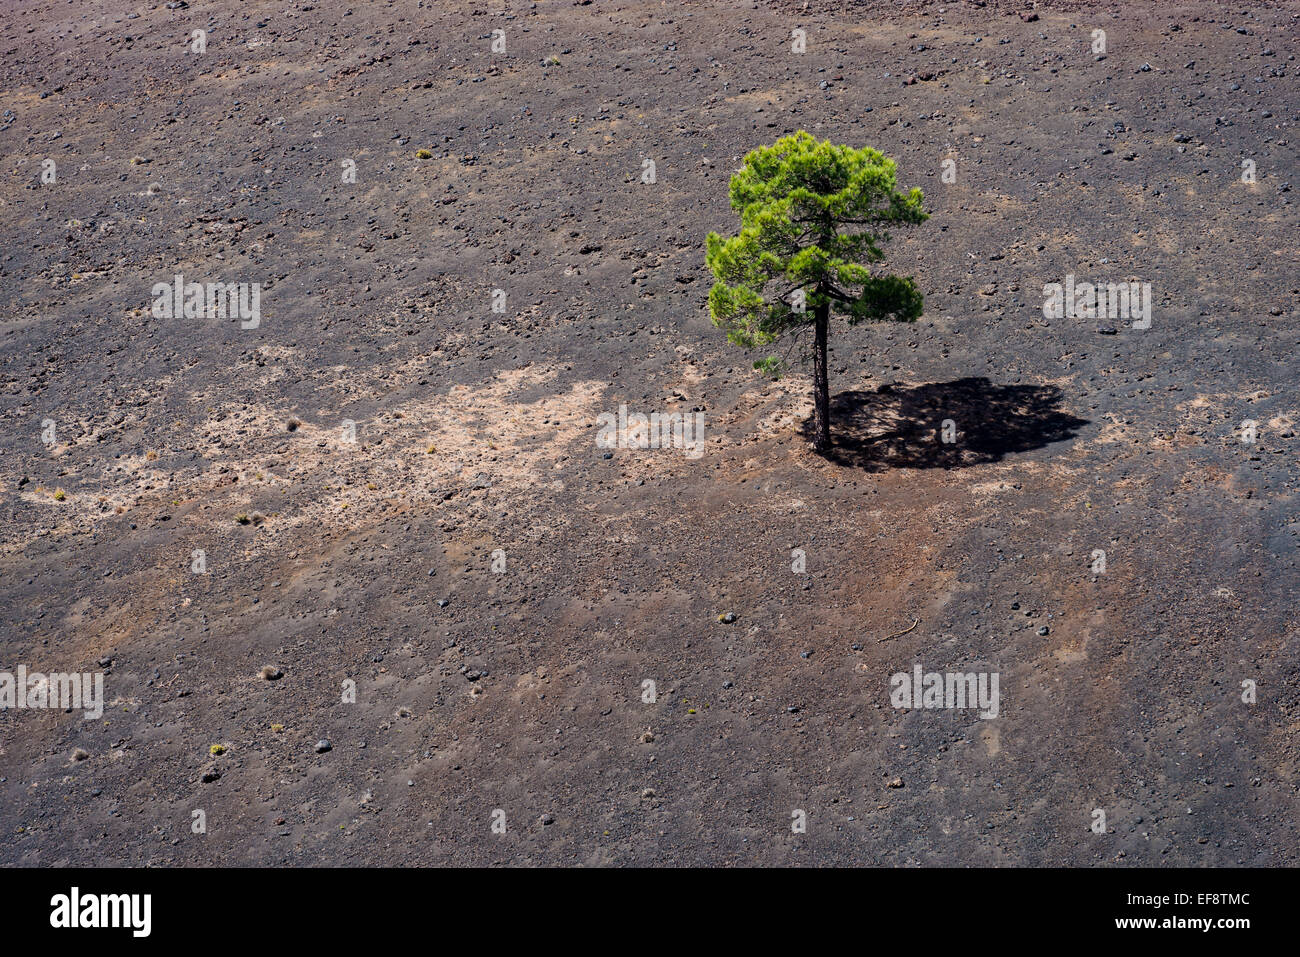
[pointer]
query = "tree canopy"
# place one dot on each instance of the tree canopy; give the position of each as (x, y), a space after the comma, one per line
(812, 216)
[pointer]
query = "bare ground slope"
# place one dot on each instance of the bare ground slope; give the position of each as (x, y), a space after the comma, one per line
(370, 561)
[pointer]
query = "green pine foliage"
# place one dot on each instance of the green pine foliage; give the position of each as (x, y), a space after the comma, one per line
(812, 218)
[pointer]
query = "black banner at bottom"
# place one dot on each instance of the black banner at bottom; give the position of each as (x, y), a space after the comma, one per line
(169, 906)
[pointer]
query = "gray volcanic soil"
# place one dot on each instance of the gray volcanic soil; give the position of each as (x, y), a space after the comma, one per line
(371, 561)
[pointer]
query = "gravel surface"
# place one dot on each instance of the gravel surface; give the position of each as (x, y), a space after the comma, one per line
(403, 515)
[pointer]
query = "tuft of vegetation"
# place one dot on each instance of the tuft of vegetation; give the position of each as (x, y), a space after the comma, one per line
(424, 154)
(217, 749)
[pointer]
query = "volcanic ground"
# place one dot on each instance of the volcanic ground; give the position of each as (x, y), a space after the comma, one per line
(398, 496)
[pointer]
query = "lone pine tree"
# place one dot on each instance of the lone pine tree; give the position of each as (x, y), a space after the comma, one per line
(811, 218)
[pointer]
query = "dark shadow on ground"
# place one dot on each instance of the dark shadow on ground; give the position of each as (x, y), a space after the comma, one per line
(902, 426)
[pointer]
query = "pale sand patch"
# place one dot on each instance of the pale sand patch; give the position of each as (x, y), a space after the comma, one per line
(420, 453)
(424, 452)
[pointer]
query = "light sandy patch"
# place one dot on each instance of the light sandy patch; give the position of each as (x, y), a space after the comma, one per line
(422, 454)
(426, 452)
(992, 488)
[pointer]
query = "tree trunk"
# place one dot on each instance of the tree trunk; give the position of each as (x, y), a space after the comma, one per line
(821, 381)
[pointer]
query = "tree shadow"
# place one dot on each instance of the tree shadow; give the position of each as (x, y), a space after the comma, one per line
(904, 426)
